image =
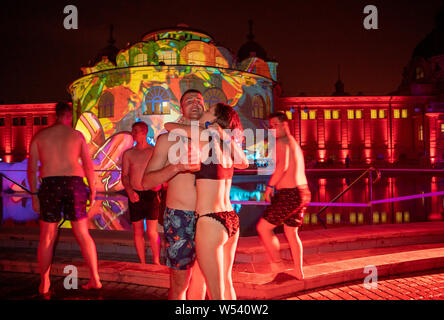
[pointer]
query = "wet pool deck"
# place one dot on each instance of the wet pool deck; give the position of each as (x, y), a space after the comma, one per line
(331, 256)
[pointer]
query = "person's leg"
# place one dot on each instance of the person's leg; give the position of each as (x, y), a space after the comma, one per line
(296, 250)
(48, 234)
(179, 281)
(153, 236)
(139, 240)
(269, 240)
(88, 248)
(210, 238)
(197, 289)
(229, 254)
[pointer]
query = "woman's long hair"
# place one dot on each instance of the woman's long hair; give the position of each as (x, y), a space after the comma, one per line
(228, 118)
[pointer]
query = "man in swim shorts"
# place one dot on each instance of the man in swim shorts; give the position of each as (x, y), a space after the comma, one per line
(143, 204)
(291, 196)
(59, 148)
(186, 280)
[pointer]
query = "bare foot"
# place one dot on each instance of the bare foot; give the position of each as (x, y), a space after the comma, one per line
(92, 285)
(297, 273)
(278, 266)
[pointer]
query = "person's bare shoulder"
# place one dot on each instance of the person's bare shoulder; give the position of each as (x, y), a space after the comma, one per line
(128, 153)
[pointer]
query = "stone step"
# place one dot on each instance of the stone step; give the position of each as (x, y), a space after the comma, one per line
(254, 280)
(250, 249)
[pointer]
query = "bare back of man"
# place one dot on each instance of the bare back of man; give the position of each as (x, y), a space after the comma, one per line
(64, 161)
(59, 148)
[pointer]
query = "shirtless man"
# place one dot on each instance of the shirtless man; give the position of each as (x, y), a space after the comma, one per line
(290, 198)
(179, 218)
(142, 204)
(59, 148)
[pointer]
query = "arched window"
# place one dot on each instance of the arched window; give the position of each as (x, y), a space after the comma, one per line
(258, 107)
(168, 57)
(196, 58)
(213, 96)
(156, 101)
(141, 59)
(419, 73)
(106, 105)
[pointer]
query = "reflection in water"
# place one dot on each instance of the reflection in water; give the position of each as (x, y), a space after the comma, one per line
(109, 211)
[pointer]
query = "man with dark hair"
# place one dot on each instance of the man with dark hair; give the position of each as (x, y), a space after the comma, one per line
(59, 148)
(142, 204)
(179, 217)
(291, 196)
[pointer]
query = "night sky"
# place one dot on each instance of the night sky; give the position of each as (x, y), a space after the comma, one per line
(308, 38)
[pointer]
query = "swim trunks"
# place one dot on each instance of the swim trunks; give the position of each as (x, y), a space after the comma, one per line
(288, 206)
(67, 194)
(179, 230)
(229, 219)
(146, 208)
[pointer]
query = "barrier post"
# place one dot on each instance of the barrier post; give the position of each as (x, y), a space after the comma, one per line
(371, 194)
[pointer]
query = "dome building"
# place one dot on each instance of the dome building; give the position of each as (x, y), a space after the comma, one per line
(145, 81)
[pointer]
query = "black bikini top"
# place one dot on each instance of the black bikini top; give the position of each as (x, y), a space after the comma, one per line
(213, 171)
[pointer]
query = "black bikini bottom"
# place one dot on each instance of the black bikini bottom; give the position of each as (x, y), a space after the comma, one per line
(229, 219)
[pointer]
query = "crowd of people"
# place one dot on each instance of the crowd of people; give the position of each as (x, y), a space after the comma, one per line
(201, 229)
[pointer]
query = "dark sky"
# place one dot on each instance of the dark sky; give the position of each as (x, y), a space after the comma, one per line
(308, 38)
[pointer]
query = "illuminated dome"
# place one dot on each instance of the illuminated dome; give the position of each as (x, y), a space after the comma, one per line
(145, 81)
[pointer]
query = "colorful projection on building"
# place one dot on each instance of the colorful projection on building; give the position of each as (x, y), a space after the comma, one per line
(146, 83)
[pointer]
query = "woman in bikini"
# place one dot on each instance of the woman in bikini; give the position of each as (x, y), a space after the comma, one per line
(217, 226)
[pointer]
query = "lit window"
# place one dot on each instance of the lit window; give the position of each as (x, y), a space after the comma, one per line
(419, 73)
(421, 133)
(396, 113)
(106, 105)
(404, 113)
(213, 96)
(221, 62)
(358, 114)
(196, 58)
(442, 127)
(312, 114)
(374, 114)
(350, 114)
(140, 59)
(381, 114)
(168, 57)
(258, 107)
(304, 115)
(157, 101)
(335, 114)
(327, 114)
(289, 115)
